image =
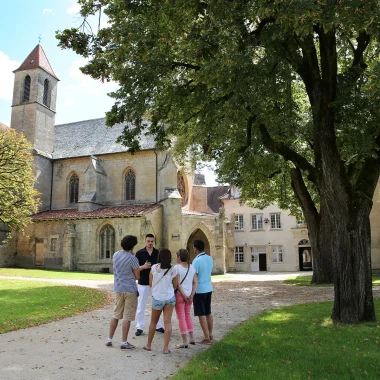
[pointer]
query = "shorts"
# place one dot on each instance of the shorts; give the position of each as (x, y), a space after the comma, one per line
(202, 304)
(125, 306)
(159, 305)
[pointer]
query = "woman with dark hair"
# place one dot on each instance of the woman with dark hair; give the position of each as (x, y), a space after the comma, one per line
(187, 282)
(163, 281)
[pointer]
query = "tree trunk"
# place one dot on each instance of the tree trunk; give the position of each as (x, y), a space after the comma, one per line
(318, 225)
(323, 271)
(353, 302)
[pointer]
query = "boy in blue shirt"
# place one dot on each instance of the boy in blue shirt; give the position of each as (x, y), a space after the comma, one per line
(202, 298)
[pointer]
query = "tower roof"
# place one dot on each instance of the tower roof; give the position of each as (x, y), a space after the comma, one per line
(37, 59)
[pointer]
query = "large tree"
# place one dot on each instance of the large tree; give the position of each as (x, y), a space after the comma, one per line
(18, 198)
(274, 88)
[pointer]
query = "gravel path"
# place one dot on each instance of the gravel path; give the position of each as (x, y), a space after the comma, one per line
(73, 348)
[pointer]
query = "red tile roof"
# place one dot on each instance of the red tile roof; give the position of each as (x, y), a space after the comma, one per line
(37, 58)
(104, 212)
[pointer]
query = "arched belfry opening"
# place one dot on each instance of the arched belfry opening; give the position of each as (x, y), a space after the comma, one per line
(198, 234)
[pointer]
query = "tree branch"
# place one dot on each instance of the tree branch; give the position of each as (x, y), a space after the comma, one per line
(287, 153)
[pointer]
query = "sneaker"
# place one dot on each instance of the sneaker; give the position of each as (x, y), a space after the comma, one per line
(138, 332)
(109, 344)
(161, 330)
(127, 346)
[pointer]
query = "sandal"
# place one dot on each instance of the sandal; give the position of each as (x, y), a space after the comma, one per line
(204, 341)
(182, 345)
(147, 349)
(165, 353)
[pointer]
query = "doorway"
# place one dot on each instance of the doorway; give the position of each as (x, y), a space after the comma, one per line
(197, 235)
(262, 262)
(304, 254)
(39, 254)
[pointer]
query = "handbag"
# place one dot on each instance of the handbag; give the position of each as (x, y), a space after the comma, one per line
(176, 289)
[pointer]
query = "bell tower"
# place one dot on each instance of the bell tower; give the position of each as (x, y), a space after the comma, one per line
(34, 101)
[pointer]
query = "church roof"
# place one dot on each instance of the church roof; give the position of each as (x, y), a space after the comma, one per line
(92, 137)
(100, 213)
(37, 59)
(213, 197)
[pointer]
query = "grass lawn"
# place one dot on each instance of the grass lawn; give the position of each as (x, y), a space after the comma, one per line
(48, 273)
(296, 342)
(305, 281)
(30, 303)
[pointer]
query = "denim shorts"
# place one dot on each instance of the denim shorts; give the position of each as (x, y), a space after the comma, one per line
(159, 305)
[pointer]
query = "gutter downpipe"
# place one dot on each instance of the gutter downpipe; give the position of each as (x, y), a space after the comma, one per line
(156, 174)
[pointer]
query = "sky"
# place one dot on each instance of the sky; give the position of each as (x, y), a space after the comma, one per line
(22, 24)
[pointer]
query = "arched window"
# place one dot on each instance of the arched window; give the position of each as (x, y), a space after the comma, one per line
(46, 92)
(26, 89)
(73, 188)
(107, 242)
(130, 186)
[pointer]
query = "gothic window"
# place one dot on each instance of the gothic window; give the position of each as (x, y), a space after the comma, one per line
(181, 186)
(107, 242)
(73, 188)
(46, 92)
(130, 186)
(26, 89)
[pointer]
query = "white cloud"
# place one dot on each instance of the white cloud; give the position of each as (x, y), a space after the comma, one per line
(47, 10)
(6, 76)
(83, 83)
(75, 8)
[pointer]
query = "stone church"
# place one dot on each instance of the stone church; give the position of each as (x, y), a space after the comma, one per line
(93, 192)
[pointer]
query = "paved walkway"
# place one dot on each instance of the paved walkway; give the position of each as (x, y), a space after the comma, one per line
(73, 348)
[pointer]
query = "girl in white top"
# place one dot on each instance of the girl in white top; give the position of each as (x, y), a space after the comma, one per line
(163, 281)
(187, 282)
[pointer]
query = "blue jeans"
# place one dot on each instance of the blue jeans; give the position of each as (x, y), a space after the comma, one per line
(159, 305)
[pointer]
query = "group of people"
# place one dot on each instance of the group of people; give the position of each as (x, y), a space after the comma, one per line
(179, 287)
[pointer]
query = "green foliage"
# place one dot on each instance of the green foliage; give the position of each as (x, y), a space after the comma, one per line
(296, 342)
(27, 303)
(48, 273)
(18, 198)
(220, 75)
(306, 281)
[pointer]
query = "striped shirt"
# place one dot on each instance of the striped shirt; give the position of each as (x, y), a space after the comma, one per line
(124, 263)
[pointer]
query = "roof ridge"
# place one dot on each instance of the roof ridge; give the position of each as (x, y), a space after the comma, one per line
(37, 59)
(81, 121)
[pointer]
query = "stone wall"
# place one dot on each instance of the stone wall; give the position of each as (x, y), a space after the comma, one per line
(111, 188)
(76, 243)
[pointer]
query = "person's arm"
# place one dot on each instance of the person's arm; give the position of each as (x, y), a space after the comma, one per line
(146, 265)
(150, 278)
(176, 283)
(137, 273)
(195, 285)
(136, 269)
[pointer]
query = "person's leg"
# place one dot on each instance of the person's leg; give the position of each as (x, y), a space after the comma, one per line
(209, 318)
(152, 327)
(125, 330)
(129, 312)
(113, 324)
(204, 327)
(159, 326)
(168, 311)
(189, 321)
(117, 314)
(210, 325)
(180, 311)
(144, 292)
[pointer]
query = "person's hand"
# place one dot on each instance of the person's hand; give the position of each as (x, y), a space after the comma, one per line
(147, 265)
